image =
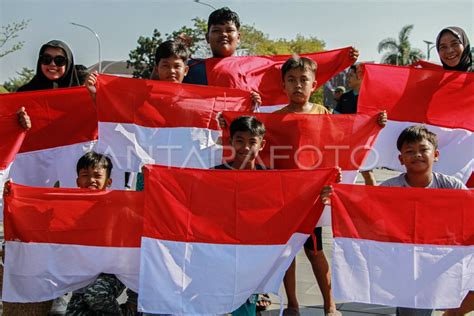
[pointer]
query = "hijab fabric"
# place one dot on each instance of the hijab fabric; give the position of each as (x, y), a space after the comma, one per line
(41, 82)
(465, 64)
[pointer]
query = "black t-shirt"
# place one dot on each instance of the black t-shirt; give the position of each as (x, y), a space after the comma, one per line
(348, 103)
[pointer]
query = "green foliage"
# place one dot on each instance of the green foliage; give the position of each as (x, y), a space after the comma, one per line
(142, 58)
(9, 33)
(3, 90)
(24, 76)
(400, 52)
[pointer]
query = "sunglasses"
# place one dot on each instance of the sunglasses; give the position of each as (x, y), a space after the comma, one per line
(58, 60)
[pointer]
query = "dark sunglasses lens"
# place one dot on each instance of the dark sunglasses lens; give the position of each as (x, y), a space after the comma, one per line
(46, 59)
(58, 60)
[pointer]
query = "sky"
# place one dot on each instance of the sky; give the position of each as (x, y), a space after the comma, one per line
(119, 23)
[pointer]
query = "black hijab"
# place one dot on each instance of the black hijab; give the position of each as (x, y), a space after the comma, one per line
(40, 82)
(465, 64)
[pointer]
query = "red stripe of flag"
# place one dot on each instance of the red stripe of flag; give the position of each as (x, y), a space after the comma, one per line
(442, 98)
(403, 215)
(74, 216)
(263, 73)
(232, 206)
(308, 141)
(165, 104)
(59, 117)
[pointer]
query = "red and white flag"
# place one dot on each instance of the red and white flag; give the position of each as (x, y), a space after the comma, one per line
(308, 141)
(64, 127)
(442, 100)
(60, 240)
(263, 73)
(402, 247)
(155, 122)
(12, 135)
(212, 238)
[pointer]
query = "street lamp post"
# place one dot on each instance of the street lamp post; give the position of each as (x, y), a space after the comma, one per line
(96, 36)
(428, 48)
(206, 4)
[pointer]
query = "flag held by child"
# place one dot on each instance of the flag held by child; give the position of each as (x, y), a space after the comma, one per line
(221, 235)
(402, 247)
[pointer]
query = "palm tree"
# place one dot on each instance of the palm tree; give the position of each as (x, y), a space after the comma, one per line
(400, 53)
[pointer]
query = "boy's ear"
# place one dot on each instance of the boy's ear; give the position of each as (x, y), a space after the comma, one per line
(186, 69)
(262, 144)
(77, 182)
(108, 183)
(315, 85)
(207, 36)
(400, 158)
(436, 155)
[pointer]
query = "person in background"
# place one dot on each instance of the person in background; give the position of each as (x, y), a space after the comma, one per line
(348, 105)
(82, 74)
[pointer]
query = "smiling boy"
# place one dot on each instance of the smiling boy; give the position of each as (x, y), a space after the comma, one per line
(100, 297)
(418, 152)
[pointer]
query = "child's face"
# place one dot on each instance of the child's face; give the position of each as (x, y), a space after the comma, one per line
(52, 71)
(299, 84)
(223, 39)
(246, 146)
(171, 69)
(418, 157)
(93, 178)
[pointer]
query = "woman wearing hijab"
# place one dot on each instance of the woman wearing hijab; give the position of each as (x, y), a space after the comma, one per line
(454, 49)
(54, 69)
(455, 54)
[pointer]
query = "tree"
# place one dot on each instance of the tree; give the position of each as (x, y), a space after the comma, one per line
(25, 75)
(142, 58)
(9, 33)
(400, 52)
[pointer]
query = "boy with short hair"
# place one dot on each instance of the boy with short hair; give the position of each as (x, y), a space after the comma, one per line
(171, 61)
(418, 152)
(93, 172)
(299, 82)
(223, 36)
(247, 140)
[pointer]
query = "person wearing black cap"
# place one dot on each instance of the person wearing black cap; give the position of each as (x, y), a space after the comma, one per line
(54, 69)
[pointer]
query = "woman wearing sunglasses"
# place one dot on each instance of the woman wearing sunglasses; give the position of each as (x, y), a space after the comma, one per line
(55, 68)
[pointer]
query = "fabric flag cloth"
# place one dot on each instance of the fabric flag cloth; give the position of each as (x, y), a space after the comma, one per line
(12, 136)
(308, 141)
(441, 100)
(60, 240)
(212, 238)
(64, 127)
(426, 65)
(263, 73)
(402, 247)
(145, 121)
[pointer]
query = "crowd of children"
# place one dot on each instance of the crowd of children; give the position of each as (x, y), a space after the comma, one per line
(417, 145)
